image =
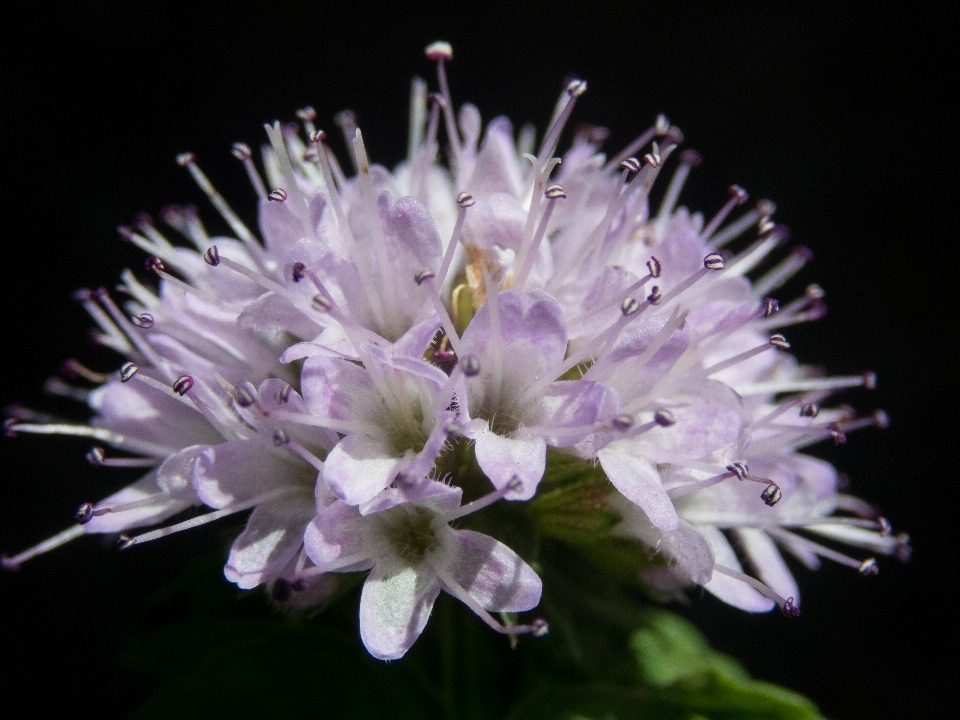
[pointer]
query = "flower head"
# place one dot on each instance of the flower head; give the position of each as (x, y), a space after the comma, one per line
(389, 342)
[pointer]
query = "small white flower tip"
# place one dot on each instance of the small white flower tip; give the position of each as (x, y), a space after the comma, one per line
(870, 380)
(662, 124)
(241, 151)
(738, 193)
(187, 158)
(307, 114)
(154, 264)
(539, 627)
(766, 208)
(182, 385)
(439, 50)
(128, 370)
(714, 261)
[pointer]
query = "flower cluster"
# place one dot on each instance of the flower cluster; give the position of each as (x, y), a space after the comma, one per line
(397, 351)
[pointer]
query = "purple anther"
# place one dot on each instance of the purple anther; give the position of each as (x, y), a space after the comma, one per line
(321, 302)
(128, 370)
(576, 88)
(691, 158)
(153, 264)
(869, 380)
(539, 627)
(184, 159)
(211, 256)
(714, 261)
(95, 456)
(422, 276)
(655, 267)
(241, 151)
(280, 438)
(182, 385)
(779, 341)
(664, 418)
(629, 306)
(771, 494)
(299, 271)
(623, 422)
(125, 542)
(631, 164)
(307, 114)
(278, 195)
(739, 193)
(84, 513)
(317, 136)
(465, 200)
(143, 320)
(869, 567)
(810, 410)
(554, 192)
(770, 306)
(739, 469)
(790, 609)
(655, 295)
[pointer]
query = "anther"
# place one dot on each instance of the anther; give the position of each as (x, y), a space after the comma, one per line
(881, 419)
(691, 158)
(629, 306)
(576, 88)
(241, 151)
(739, 469)
(815, 292)
(539, 628)
(8, 427)
(280, 438)
(143, 320)
(713, 261)
(662, 124)
(810, 410)
(869, 567)
(283, 394)
(631, 164)
(771, 494)
(766, 208)
(790, 609)
(465, 200)
(655, 267)
(437, 99)
(278, 195)
(884, 526)
(125, 542)
(153, 264)
(321, 302)
(554, 192)
(770, 306)
(243, 397)
(470, 366)
(95, 456)
(299, 271)
(84, 513)
(128, 370)
(869, 380)
(664, 418)
(316, 136)
(779, 341)
(306, 114)
(212, 256)
(439, 50)
(739, 193)
(655, 295)
(623, 422)
(839, 437)
(182, 385)
(654, 158)
(423, 275)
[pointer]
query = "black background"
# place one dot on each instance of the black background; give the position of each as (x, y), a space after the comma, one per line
(835, 113)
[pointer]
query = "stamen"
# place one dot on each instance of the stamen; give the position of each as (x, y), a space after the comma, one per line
(442, 52)
(62, 538)
(280, 438)
(74, 368)
(117, 440)
(738, 196)
(342, 426)
(484, 501)
(786, 605)
(776, 341)
(241, 152)
(203, 519)
(529, 250)
(496, 340)
(761, 212)
(770, 387)
(659, 128)
(786, 269)
(188, 160)
(574, 89)
(298, 203)
(792, 538)
(464, 201)
(689, 159)
(96, 457)
(426, 278)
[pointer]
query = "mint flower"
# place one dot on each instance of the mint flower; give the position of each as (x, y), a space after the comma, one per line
(386, 344)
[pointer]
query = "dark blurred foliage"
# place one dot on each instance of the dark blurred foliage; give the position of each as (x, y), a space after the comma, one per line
(836, 113)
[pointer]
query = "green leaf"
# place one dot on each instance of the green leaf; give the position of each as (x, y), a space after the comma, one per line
(676, 661)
